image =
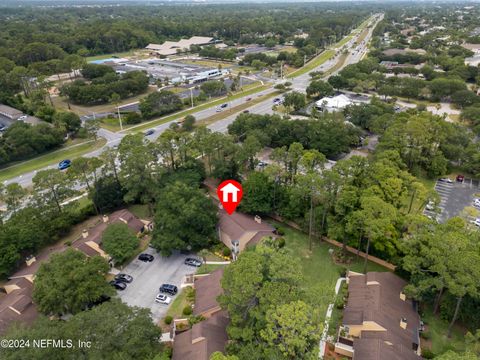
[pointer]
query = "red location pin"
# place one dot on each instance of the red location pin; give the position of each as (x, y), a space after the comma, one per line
(230, 193)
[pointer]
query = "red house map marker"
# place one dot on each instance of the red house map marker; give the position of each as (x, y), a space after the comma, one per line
(230, 194)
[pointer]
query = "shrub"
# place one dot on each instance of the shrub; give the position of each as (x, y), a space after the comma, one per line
(227, 252)
(133, 118)
(428, 354)
(280, 242)
(190, 293)
(280, 231)
(168, 320)
(425, 335)
(187, 310)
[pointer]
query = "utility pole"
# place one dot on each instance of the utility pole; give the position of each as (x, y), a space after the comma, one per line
(191, 95)
(119, 118)
(304, 59)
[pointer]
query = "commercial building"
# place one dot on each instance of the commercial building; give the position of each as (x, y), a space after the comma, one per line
(333, 103)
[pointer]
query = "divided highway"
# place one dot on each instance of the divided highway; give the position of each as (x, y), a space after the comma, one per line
(299, 83)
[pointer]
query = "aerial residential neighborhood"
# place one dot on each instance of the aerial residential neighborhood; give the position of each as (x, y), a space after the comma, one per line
(239, 180)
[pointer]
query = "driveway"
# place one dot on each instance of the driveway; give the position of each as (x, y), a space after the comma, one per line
(149, 276)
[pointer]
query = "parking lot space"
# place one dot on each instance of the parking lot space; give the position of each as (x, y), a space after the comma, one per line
(149, 276)
(454, 197)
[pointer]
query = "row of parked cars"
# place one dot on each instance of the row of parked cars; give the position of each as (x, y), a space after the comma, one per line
(121, 280)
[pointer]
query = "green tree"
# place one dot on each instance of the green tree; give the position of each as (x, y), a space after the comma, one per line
(69, 120)
(13, 194)
(319, 89)
(52, 187)
(69, 281)
(294, 100)
(119, 242)
(188, 123)
(217, 355)
(257, 194)
(292, 328)
(115, 330)
(185, 219)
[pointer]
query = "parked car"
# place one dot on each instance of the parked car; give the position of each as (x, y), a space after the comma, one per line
(476, 222)
(64, 164)
(119, 285)
(149, 132)
(447, 180)
(163, 299)
(145, 257)
(193, 262)
(169, 289)
(460, 178)
(124, 278)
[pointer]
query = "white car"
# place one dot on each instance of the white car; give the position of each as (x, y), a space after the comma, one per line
(476, 222)
(447, 180)
(163, 299)
(430, 206)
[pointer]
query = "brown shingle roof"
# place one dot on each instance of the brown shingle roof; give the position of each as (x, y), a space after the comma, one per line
(243, 228)
(205, 338)
(17, 306)
(207, 289)
(376, 297)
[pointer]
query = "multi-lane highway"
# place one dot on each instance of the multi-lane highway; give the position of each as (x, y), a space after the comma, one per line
(299, 83)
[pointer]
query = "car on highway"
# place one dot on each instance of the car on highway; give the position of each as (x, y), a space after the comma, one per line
(145, 257)
(223, 106)
(193, 262)
(119, 285)
(447, 180)
(124, 278)
(169, 289)
(277, 101)
(246, 111)
(149, 132)
(64, 164)
(248, 99)
(163, 299)
(460, 178)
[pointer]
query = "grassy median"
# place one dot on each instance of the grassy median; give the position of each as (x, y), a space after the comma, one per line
(50, 158)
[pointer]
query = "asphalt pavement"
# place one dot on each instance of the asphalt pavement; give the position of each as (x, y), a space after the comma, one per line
(299, 83)
(149, 276)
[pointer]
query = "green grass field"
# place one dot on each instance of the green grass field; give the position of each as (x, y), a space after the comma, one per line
(319, 270)
(50, 158)
(312, 64)
(344, 41)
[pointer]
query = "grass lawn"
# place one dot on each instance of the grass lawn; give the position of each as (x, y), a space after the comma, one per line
(344, 40)
(437, 330)
(140, 211)
(60, 103)
(152, 123)
(176, 309)
(208, 268)
(107, 56)
(338, 65)
(50, 158)
(312, 64)
(319, 270)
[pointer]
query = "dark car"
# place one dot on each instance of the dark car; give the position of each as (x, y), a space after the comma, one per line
(149, 132)
(119, 285)
(145, 257)
(62, 165)
(193, 262)
(460, 178)
(248, 99)
(169, 289)
(223, 106)
(124, 278)
(246, 111)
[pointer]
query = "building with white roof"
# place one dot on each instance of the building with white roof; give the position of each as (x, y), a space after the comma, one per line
(333, 103)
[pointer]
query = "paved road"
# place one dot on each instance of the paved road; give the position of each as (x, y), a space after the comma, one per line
(148, 277)
(299, 83)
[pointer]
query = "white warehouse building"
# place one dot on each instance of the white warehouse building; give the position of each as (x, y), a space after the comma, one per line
(333, 103)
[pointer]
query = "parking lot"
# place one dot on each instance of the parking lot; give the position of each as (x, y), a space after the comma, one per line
(454, 198)
(149, 276)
